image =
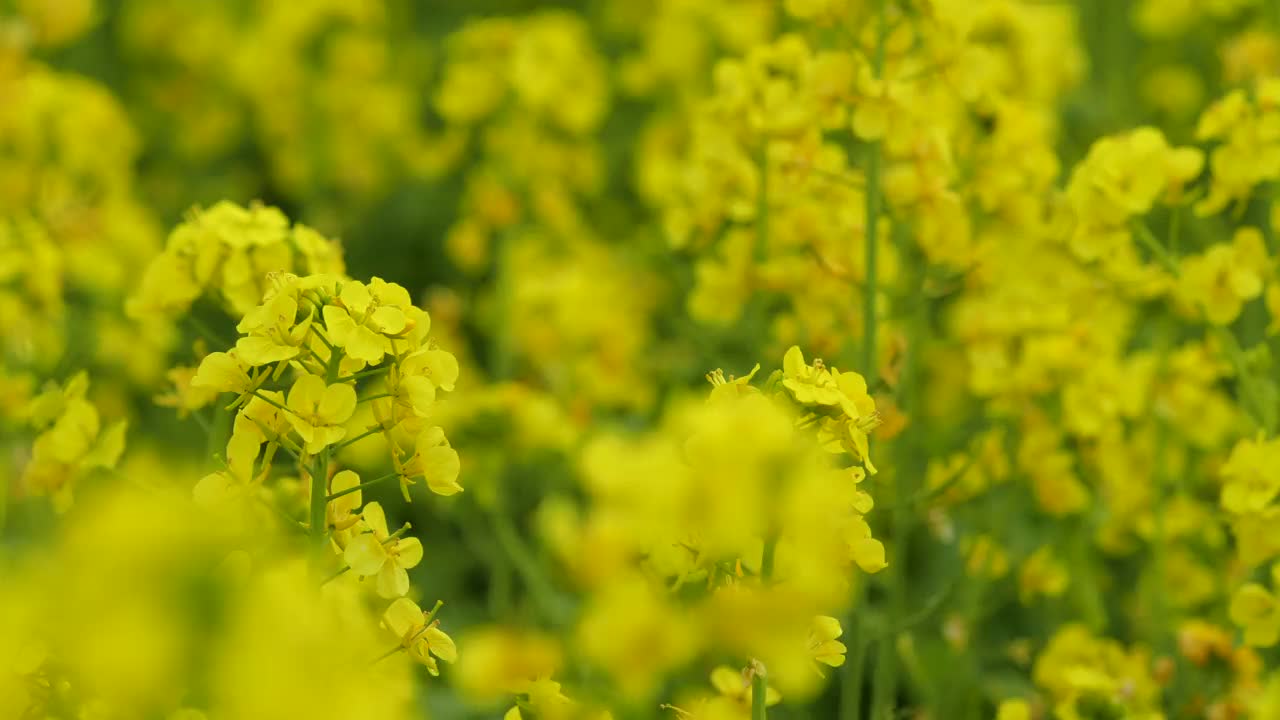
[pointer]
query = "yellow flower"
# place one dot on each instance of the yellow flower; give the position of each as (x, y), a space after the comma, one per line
(1225, 277)
(424, 640)
(733, 386)
(221, 489)
(1257, 610)
(317, 411)
(273, 332)
(416, 378)
(223, 372)
(823, 645)
(866, 551)
(341, 515)
(365, 317)
(72, 443)
(378, 553)
(1251, 476)
(437, 462)
(809, 384)
(832, 391)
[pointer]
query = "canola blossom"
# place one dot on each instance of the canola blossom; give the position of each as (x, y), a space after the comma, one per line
(631, 359)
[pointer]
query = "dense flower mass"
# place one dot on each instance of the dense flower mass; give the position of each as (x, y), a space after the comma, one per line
(630, 359)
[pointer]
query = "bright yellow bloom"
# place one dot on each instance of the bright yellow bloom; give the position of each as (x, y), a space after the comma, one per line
(1222, 279)
(367, 317)
(223, 372)
(318, 411)
(415, 379)
(272, 331)
(72, 441)
(377, 553)
(341, 513)
(425, 642)
(823, 645)
(437, 462)
(1251, 476)
(1257, 610)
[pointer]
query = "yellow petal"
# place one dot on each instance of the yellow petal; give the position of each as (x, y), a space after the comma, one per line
(305, 395)
(826, 627)
(338, 325)
(376, 519)
(393, 581)
(403, 617)
(345, 480)
(728, 681)
(337, 403)
(442, 645)
(367, 345)
(389, 320)
(258, 350)
(222, 372)
(410, 552)
(868, 553)
(355, 296)
(107, 450)
(420, 392)
(365, 555)
(212, 490)
(793, 362)
(440, 467)
(443, 367)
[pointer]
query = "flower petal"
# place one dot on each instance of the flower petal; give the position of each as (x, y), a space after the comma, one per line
(393, 581)
(365, 555)
(410, 552)
(403, 617)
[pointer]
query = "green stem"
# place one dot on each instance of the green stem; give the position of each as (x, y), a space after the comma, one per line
(352, 441)
(284, 442)
(503, 343)
(266, 399)
(362, 486)
(1158, 251)
(851, 681)
(4, 505)
(345, 569)
(431, 616)
(855, 662)
(1160, 624)
(319, 498)
(365, 374)
(759, 696)
(397, 534)
(762, 204)
(873, 203)
(544, 594)
(1252, 398)
(379, 396)
(335, 366)
(767, 554)
(320, 473)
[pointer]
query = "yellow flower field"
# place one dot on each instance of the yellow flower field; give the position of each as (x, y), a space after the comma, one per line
(631, 359)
